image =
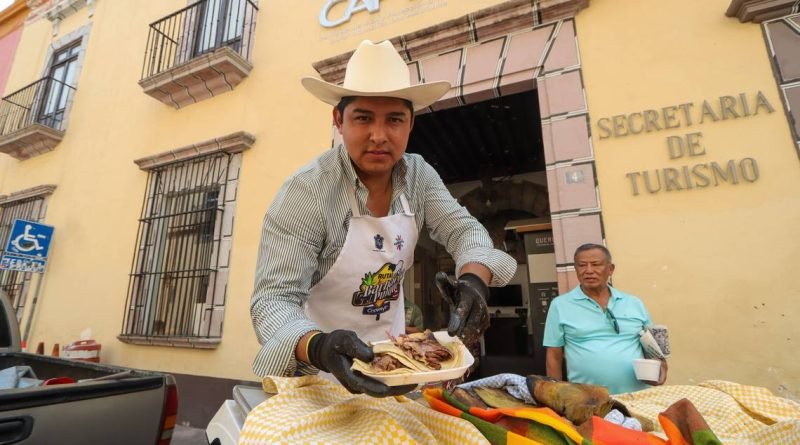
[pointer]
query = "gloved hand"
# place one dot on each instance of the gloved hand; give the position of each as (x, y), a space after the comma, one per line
(334, 353)
(469, 315)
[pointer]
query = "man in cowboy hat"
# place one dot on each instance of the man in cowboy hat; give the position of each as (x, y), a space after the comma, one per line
(341, 233)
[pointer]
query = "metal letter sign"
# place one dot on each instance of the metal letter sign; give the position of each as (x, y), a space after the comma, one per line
(27, 247)
(353, 6)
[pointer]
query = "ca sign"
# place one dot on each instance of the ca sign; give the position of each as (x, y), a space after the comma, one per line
(353, 6)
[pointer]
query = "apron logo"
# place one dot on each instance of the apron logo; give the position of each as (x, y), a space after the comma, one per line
(398, 242)
(378, 289)
(378, 242)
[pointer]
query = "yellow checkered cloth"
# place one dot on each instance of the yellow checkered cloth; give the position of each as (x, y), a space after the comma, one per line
(738, 414)
(311, 410)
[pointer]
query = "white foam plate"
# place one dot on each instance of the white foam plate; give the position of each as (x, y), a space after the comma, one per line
(430, 376)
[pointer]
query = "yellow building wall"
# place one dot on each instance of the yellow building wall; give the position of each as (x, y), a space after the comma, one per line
(708, 262)
(716, 264)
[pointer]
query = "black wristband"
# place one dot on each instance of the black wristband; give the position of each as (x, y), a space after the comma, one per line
(314, 349)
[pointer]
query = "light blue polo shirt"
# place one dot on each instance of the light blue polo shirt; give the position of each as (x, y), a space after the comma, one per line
(594, 352)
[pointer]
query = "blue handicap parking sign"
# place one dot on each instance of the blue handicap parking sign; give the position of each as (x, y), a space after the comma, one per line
(30, 239)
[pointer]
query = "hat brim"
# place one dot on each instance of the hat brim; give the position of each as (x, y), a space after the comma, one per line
(420, 95)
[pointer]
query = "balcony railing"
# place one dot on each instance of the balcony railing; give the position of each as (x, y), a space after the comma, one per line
(198, 29)
(32, 119)
(42, 102)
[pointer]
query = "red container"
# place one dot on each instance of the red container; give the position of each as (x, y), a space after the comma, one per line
(84, 350)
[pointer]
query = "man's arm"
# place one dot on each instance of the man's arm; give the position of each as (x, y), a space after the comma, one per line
(555, 363)
(554, 340)
(464, 238)
(648, 321)
(291, 239)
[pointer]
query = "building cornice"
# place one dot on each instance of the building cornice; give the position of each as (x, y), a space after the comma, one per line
(13, 17)
(232, 143)
(33, 192)
(472, 28)
(758, 11)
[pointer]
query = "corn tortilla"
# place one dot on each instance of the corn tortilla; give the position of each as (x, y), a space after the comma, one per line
(412, 366)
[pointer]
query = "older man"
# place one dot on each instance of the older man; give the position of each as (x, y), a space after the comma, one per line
(596, 327)
(341, 232)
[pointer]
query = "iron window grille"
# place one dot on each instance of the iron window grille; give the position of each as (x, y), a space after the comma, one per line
(172, 284)
(197, 29)
(14, 283)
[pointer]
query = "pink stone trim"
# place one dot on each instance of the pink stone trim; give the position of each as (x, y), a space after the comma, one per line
(574, 231)
(30, 141)
(232, 143)
(572, 188)
(33, 192)
(564, 52)
(759, 10)
(180, 342)
(523, 58)
(566, 139)
(561, 94)
(480, 70)
(205, 76)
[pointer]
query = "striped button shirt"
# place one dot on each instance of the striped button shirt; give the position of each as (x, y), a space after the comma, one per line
(305, 228)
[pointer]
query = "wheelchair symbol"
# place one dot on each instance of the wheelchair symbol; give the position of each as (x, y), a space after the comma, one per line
(28, 242)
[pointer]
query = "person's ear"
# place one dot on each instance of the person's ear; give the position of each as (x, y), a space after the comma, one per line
(611, 269)
(338, 119)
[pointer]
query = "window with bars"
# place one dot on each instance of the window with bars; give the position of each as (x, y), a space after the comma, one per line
(13, 283)
(172, 289)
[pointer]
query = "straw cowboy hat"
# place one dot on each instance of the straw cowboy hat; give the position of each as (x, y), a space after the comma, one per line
(377, 70)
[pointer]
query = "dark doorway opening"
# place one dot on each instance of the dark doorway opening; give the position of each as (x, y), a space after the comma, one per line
(494, 138)
(490, 154)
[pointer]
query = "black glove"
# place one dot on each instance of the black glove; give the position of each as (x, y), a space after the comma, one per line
(469, 315)
(334, 353)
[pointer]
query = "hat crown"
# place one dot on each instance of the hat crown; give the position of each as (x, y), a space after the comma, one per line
(376, 67)
(376, 70)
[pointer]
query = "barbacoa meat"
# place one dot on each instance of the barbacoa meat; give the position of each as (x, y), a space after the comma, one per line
(423, 347)
(383, 363)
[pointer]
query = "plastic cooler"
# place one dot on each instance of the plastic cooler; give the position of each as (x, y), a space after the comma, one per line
(84, 350)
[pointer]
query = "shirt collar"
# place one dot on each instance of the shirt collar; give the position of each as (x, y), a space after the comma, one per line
(398, 173)
(579, 295)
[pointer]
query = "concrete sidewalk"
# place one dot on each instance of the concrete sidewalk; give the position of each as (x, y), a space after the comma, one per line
(185, 435)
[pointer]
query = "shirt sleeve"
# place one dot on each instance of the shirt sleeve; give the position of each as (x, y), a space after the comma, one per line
(553, 330)
(291, 239)
(465, 239)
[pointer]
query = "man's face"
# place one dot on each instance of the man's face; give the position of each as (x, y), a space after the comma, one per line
(593, 269)
(375, 132)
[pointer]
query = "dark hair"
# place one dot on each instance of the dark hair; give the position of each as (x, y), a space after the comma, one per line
(590, 246)
(347, 100)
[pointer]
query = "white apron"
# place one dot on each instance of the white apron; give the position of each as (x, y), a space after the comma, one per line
(363, 290)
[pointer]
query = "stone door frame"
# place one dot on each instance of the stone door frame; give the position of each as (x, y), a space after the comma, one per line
(518, 46)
